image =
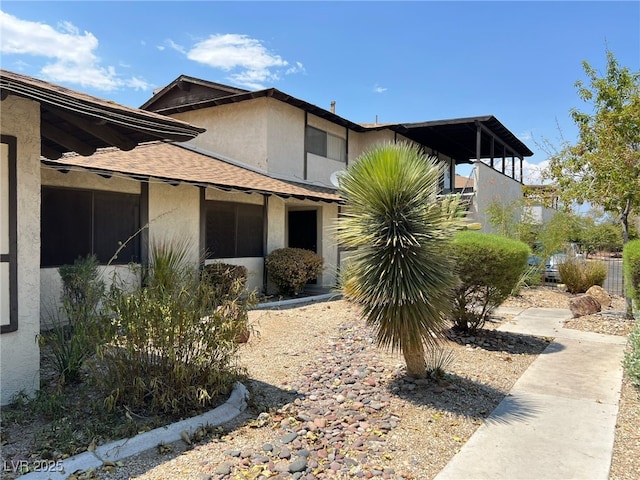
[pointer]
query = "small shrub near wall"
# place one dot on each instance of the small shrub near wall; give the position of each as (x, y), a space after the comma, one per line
(631, 265)
(225, 278)
(75, 327)
(632, 357)
(291, 268)
(172, 344)
(489, 267)
(579, 275)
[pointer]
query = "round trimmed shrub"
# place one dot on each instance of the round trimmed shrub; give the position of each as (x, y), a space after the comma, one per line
(631, 266)
(489, 266)
(291, 268)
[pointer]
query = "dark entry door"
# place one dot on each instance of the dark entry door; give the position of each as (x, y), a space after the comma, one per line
(303, 229)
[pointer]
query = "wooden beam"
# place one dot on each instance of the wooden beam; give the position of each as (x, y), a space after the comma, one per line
(59, 136)
(98, 129)
(478, 141)
(50, 153)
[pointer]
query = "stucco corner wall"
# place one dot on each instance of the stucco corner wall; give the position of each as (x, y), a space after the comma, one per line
(329, 245)
(174, 215)
(491, 186)
(19, 350)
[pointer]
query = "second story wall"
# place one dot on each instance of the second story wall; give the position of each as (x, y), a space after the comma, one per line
(285, 140)
(492, 186)
(271, 136)
(237, 131)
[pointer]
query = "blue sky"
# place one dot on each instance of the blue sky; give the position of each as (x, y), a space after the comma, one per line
(397, 61)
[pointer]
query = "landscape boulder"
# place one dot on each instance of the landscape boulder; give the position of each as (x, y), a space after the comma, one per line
(601, 295)
(584, 305)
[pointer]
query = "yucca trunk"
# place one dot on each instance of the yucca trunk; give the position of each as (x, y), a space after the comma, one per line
(415, 360)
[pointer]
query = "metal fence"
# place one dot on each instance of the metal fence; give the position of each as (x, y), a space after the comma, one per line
(614, 283)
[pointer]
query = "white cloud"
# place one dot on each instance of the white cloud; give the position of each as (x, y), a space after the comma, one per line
(297, 68)
(378, 89)
(173, 45)
(525, 136)
(532, 172)
(246, 59)
(71, 53)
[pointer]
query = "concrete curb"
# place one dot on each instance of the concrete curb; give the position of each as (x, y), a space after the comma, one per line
(124, 448)
(298, 301)
(121, 449)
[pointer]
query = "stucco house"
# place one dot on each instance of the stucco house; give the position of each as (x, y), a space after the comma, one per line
(287, 138)
(258, 173)
(39, 119)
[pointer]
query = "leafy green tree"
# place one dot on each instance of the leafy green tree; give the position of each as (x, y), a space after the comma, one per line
(400, 271)
(514, 221)
(601, 236)
(603, 166)
(504, 218)
(563, 227)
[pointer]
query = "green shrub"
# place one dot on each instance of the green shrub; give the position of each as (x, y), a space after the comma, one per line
(579, 275)
(172, 344)
(225, 278)
(631, 265)
(632, 356)
(291, 268)
(75, 327)
(489, 267)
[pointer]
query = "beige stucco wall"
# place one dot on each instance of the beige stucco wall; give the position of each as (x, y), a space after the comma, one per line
(492, 186)
(285, 140)
(51, 289)
(361, 142)
(237, 131)
(174, 215)
(19, 350)
(329, 244)
(88, 181)
(276, 225)
(235, 197)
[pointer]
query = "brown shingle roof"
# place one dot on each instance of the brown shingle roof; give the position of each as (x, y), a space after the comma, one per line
(174, 164)
(73, 121)
(463, 182)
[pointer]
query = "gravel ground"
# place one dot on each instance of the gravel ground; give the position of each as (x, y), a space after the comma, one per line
(335, 406)
(327, 403)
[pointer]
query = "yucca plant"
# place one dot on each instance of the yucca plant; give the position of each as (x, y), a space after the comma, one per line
(400, 271)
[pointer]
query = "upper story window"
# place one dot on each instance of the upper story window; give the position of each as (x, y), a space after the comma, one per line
(326, 144)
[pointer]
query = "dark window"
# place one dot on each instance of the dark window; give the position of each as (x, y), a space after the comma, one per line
(81, 222)
(326, 145)
(316, 141)
(234, 230)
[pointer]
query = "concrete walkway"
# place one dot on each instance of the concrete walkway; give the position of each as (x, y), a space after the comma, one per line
(558, 421)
